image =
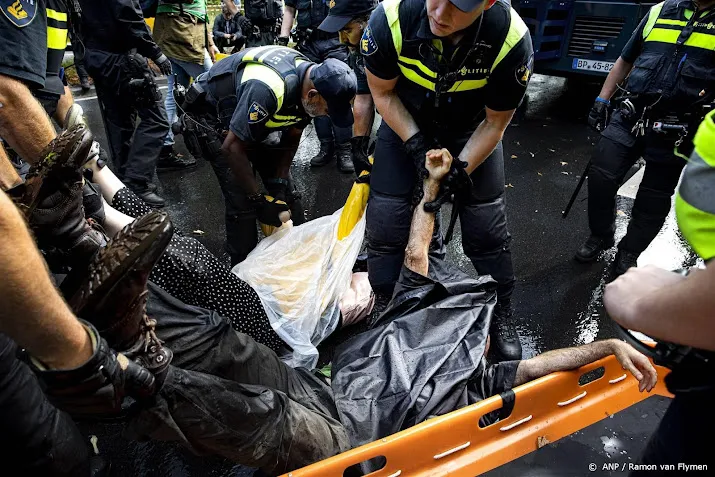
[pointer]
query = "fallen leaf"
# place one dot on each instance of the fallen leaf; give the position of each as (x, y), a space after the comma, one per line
(198, 232)
(540, 173)
(552, 150)
(518, 143)
(564, 163)
(542, 441)
(509, 185)
(621, 213)
(532, 154)
(565, 173)
(514, 156)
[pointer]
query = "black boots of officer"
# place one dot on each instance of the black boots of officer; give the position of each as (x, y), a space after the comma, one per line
(505, 344)
(171, 161)
(588, 252)
(113, 295)
(342, 152)
(51, 199)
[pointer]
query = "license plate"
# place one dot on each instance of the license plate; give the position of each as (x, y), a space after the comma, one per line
(592, 65)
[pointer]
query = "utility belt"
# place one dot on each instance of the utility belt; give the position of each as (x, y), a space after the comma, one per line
(313, 34)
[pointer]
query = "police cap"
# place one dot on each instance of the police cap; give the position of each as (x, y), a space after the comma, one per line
(336, 82)
(466, 5)
(342, 11)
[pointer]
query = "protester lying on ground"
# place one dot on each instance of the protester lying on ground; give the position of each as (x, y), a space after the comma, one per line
(425, 356)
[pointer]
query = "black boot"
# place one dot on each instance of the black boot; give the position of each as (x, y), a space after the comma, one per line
(623, 261)
(592, 247)
(171, 161)
(504, 338)
(325, 156)
(113, 296)
(147, 193)
(344, 155)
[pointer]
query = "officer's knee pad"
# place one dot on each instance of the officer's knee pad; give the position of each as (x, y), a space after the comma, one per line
(652, 201)
(484, 227)
(388, 220)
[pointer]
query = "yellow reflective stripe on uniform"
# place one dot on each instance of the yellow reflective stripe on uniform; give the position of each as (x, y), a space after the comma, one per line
(653, 15)
(415, 77)
(419, 65)
(696, 40)
(55, 15)
(56, 38)
(392, 13)
(517, 30)
(467, 85)
(265, 74)
(665, 21)
(282, 124)
(252, 53)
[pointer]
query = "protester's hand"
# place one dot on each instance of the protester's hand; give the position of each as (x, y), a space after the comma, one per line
(598, 116)
(213, 50)
(271, 211)
(637, 364)
(98, 387)
(456, 182)
(622, 295)
(164, 64)
(228, 35)
(438, 163)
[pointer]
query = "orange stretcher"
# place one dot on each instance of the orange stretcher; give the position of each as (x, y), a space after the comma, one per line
(545, 410)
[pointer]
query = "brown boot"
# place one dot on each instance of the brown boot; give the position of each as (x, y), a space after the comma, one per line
(113, 296)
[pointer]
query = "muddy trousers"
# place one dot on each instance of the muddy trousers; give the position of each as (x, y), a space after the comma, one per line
(609, 165)
(36, 438)
(227, 395)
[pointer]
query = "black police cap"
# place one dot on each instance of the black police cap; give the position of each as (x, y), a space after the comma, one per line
(342, 11)
(466, 5)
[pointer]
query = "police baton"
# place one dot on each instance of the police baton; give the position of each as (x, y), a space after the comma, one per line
(576, 191)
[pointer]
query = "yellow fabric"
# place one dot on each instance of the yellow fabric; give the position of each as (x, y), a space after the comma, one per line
(696, 40)
(517, 30)
(273, 80)
(697, 226)
(392, 14)
(55, 15)
(56, 38)
(419, 65)
(664, 21)
(653, 15)
(704, 140)
(414, 77)
(467, 85)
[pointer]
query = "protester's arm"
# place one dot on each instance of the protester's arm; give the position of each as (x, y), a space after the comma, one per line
(417, 252)
(572, 358)
(235, 152)
(665, 305)
(32, 312)
(288, 19)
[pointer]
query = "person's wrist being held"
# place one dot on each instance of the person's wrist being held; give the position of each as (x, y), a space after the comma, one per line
(431, 189)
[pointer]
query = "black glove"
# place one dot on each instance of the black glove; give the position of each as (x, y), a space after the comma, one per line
(277, 188)
(98, 387)
(361, 159)
(455, 183)
(164, 64)
(282, 41)
(268, 209)
(598, 116)
(416, 148)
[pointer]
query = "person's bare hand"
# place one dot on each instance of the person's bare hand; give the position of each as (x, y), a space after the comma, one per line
(637, 364)
(438, 163)
(621, 295)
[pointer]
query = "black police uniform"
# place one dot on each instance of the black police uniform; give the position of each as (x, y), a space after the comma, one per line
(494, 74)
(117, 43)
(318, 46)
(672, 79)
(24, 36)
(252, 100)
(57, 35)
(265, 16)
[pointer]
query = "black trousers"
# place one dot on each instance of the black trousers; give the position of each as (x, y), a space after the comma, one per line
(319, 51)
(616, 152)
(485, 236)
(36, 438)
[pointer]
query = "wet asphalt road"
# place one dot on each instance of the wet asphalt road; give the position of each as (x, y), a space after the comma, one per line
(557, 300)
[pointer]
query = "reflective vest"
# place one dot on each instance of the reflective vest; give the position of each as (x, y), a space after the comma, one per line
(57, 34)
(280, 68)
(453, 92)
(695, 199)
(677, 63)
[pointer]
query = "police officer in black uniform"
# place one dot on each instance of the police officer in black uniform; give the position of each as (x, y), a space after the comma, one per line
(318, 46)
(117, 44)
(669, 90)
(349, 19)
(264, 17)
(445, 73)
(246, 97)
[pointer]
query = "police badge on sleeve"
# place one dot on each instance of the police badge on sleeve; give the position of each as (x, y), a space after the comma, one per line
(368, 45)
(19, 12)
(523, 73)
(256, 113)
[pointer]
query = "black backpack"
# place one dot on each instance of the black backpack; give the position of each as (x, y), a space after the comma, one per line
(261, 11)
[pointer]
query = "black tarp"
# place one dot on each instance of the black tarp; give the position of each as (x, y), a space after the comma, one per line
(423, 357)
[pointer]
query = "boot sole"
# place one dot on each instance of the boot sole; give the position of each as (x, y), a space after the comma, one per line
(156, 226)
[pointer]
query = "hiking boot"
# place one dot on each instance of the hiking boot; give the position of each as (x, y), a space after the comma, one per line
(113, 294)
(64, 154)
(85, 84)
(324, 156)
(147, 193)
(171, 161)
(623, 261)
(344, 156)
(504, 338)
(75, 116)
(592, 247)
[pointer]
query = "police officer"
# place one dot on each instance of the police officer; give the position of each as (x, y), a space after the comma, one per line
(670, 69)
(349, 19)
(252, 94)
(265, 17)
(117, 44)
(449, 74)
(318, 46)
